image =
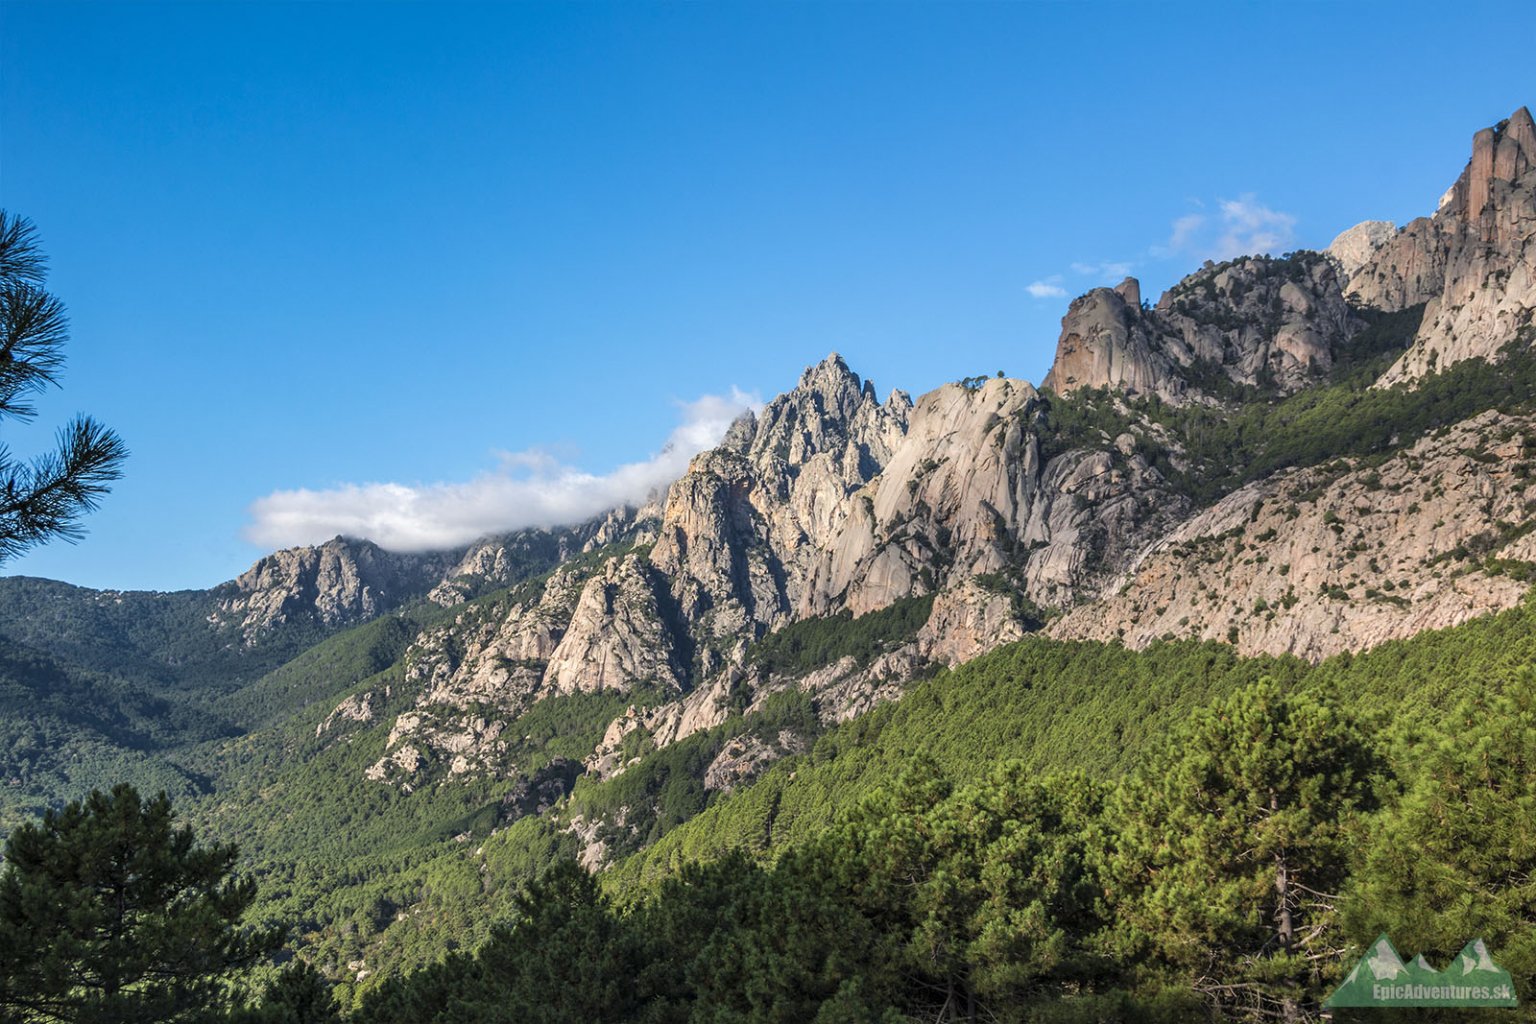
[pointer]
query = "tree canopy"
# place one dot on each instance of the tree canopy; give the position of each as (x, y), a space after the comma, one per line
(110, 912)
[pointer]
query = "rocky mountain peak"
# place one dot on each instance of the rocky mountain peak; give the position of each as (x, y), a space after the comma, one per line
(1501, 154)
(1255, 321)
(1473, 262)
(1130, 291)
(342, 581)
(1104, 343)
(830, 410)
(742, 528)
(832, 379)
(1354, 247)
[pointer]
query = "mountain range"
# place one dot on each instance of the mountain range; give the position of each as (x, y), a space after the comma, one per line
(1301, 457)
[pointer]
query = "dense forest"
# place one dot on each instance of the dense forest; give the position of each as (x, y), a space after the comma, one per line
(1052, 832)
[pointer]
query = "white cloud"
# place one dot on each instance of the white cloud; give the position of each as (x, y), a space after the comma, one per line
(1253, 228)
(1114, 270)
(1048, 288)
(528, 488)
(1184, 231)
(1245, 227)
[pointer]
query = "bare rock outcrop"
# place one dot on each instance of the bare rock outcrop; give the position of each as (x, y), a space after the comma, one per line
(472, 677)
(338, 583)
(1315, 562)
(744, 758)
(971, 619)
(506, 559)
(1106, 341)
(1354, 247)
(1473, 262)
(1273, 324)
(742, 529)
(959, 483)
(618, 637)
(969, 492)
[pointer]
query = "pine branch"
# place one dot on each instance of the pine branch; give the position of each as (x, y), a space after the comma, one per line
(20, 258)
(33, 330)
(48, 497)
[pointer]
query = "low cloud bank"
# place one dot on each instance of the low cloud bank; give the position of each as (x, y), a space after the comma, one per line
(527, 488)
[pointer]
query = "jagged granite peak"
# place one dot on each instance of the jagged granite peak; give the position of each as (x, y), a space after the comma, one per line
(1275, 324)
(340, 582)
(741, 529)
(1106, 342)
(969, 493)
(1473, 262)
(829, 410)
(1501, 154)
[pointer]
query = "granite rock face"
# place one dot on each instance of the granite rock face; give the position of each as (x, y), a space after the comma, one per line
(338, 583)
(1473, 261)
(506, 559)
(1271, 324)
(1319, 561)
(1354, 248)
(968, 493)
(743, 529)
(618, 637)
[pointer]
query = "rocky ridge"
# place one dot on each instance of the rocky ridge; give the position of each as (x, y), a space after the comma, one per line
(1473, 261)
(831, 502)
(1318, 561)
(341, 582)
(1256, 322)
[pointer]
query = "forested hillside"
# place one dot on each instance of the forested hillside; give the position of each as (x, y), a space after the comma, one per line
(980, 846)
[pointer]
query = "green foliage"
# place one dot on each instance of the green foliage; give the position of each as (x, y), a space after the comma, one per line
(299, 994)
(1054, 706)
(988, 890)
(810, 644)
(1455, 857)
(564, 959)
(1224, 850)
(109, 912)
(1076, 832)
(324, 672)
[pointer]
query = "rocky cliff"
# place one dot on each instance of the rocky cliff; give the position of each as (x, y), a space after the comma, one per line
(1340, 557)
(1473, 261)
(341, 582)
(1274, 325)
(747, 526)
(346, 581)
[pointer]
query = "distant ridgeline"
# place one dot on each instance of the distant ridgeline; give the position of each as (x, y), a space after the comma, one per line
(1157, 691)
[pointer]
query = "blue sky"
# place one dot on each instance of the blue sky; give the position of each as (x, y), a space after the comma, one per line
(438, 254)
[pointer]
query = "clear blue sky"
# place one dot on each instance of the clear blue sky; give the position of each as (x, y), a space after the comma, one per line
(311, 245)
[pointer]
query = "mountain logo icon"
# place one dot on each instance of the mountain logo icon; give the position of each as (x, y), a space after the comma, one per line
(1381, 978)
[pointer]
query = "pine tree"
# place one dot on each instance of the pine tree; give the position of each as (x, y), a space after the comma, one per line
(1455, 858)
(46, 497)
(109, 912)
(1227, 851)
(299, 994)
